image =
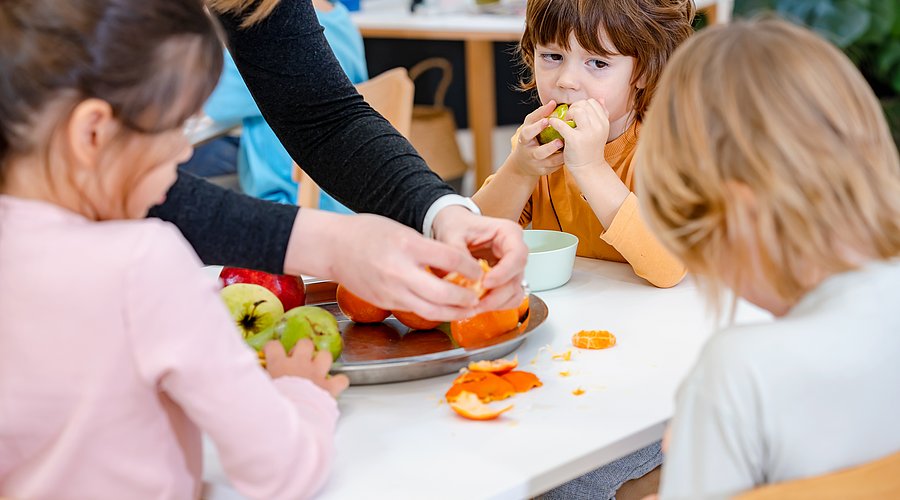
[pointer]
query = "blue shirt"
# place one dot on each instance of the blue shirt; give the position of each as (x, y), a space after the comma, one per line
(264, 167)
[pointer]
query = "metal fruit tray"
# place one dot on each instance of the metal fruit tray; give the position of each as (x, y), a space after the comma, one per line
(390, 352)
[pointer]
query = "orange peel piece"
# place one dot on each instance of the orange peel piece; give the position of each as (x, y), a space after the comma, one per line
(487, 386)
(522, 381)
(578, 392)
(498, 366)
(476, 285)
(468, 405)
(593, 339)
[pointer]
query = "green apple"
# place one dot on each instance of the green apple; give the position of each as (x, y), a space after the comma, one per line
(549, 133)
(305, 322)
(253, 307)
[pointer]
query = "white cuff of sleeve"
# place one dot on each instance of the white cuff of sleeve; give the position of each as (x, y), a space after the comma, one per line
(448, 200)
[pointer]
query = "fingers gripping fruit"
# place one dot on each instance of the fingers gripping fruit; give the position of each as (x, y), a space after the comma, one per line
(549, 134)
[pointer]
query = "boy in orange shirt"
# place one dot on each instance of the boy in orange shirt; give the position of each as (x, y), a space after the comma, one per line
(603, 60)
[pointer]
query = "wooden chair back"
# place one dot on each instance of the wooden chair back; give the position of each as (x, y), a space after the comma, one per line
(877, 479)
(390, 94)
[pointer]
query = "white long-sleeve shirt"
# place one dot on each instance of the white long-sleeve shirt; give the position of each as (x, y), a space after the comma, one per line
(816, 391)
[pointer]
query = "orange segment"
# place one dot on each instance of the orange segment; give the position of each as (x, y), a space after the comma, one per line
(522, 381)
(357, 309)
(415, 321)
(476, 285)
(593, 339)
(468, 405)
(498, 366)
(487, 386)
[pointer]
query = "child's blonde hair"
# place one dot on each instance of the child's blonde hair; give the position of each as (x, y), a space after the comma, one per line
(253, 11)
(768, 107)
(647, 30)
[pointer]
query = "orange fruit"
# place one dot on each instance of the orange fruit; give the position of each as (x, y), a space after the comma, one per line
(476, 285)
(522, 381)
(593, 339)
(414, 321)
(357, 309)
(523, 308)
(483, 327)
(497, 366)
(468, 405)
(487, 386)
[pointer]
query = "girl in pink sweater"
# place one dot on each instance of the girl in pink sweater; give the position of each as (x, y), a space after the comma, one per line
(115, 350)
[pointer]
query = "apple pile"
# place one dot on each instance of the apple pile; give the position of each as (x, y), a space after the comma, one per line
(271, 307)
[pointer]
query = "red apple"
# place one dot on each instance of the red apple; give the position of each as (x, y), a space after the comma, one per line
(289, 289)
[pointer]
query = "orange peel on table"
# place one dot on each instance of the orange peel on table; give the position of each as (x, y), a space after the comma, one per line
(578, 392)
(469, 405)
(487, 386)
(522, 381)
(497, 366)
(593, 339)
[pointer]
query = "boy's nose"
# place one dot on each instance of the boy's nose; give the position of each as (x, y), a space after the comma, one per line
(567, 79)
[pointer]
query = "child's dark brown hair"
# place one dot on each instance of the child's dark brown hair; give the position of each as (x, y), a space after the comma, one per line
(647, 30)
(153, 61)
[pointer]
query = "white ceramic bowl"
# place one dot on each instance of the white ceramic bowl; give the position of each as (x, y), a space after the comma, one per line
(551, 257)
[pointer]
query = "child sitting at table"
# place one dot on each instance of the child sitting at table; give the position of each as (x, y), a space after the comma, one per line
(603, 59)
(263, 166)
(770, 171)
(115, 349)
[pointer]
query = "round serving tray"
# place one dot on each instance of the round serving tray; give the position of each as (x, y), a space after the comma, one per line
(390, 352)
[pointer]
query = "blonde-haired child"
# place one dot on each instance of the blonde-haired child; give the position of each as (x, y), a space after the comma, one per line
(115, 350)
(774, 174)
(604, 59)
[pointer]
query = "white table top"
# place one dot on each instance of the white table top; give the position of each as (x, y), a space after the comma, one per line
(402, 441)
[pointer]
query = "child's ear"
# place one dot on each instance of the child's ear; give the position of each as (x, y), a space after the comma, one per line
(91, 128)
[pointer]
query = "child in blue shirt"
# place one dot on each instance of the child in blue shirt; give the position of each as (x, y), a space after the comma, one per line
(263, 165)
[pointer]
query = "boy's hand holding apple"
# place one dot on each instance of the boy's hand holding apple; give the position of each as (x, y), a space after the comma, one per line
(529, 158)
(586, 143)
(304, 363)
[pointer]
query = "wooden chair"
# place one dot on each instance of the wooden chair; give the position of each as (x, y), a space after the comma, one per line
(877, 479)
(391, 94)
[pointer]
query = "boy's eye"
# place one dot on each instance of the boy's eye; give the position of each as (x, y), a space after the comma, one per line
(597, 64)
(549, 56)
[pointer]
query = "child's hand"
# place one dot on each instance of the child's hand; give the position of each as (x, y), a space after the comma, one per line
(586, 142)
(529, 157)
(301, 363)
